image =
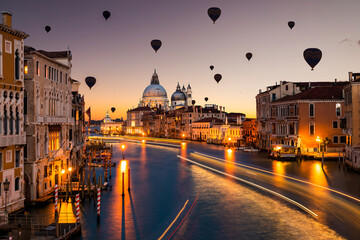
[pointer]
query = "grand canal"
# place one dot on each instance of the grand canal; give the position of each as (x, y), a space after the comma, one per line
(163, 180)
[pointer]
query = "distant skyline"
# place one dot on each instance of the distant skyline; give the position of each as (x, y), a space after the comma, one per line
(118, 53)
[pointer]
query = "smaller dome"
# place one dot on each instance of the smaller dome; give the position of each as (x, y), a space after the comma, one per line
(178, 96)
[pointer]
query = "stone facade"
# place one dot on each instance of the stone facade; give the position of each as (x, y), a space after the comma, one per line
(12, 134)
(49, 120)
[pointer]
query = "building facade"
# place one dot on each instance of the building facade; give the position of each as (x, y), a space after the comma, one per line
(51, 111)
(12, 132)
(351, 121)
(298, 120)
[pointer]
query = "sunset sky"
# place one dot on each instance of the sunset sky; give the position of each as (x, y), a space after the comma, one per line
(118, 53)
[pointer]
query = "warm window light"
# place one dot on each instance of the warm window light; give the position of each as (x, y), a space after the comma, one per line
(123, 166)
(318, 139)
(123, 146)
(143, 141)
(63, 171)
(183, 135)
(70, 169)
(26, 69)
(229, 139)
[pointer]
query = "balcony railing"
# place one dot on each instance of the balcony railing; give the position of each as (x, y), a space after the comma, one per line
(9, 140)
(54, 119)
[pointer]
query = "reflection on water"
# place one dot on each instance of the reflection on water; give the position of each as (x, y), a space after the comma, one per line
(228, 210)
(229, 156)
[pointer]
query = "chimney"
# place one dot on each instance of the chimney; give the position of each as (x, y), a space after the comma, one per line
(350, 76)
(200, 109)
(220, 109)
(224, 109)
(259, 90)
(6, 18)
(335, 80)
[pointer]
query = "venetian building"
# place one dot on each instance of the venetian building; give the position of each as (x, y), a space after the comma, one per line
(52, 114)
(155, 95)
(12, 134)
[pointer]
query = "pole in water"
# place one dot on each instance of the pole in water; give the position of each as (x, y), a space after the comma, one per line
(129, 179)
(123, 183)
(77, 207)
(98, 204)
(56, 199)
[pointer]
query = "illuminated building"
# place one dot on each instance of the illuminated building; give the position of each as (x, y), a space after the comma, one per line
(52, 114)
(12, 134)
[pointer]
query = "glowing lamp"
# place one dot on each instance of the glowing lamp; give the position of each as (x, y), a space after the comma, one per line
(123, 146)
(63, 171)
(70, 169)
(143, 141)
(123, 165)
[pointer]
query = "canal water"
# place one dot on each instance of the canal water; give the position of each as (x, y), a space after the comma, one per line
(161, 184)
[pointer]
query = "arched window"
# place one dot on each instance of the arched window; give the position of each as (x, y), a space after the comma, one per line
(17, 65)
(312, 128)
(17, 121)
(11, 121)
(311, 110)
(25, 103)
(5, 121)
(17, 184)
(338, 109)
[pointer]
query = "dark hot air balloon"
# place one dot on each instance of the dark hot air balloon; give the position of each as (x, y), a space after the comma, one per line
(217, 77)
(156, 44)
(249, 56)
(193, 102)
(206, 99)
(113, 109)
(211, 67)
(106, 14)
(47, 28)
(90, 81)
(312, 56)
(291, 24)
(214, 13)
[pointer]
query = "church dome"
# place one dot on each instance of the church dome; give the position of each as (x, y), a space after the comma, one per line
(154, 89)
(178, 95)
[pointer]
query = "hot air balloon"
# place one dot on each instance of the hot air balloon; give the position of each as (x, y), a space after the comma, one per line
(113, 109)
(312, 56)
(90, 81)
(106, 14)
(211, 67)
(291, 24)
(214, 13)
(249, 56)
(206, 99)
(47, 28)
(193, 102)
(156, 44)
(217, 77)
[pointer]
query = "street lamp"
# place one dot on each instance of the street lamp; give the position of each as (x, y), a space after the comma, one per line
(318, 140)
(6, 189)
(123, 148)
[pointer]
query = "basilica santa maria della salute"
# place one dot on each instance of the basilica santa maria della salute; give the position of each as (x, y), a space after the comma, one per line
(155, 96)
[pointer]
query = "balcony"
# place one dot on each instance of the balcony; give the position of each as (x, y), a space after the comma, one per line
(54, 119)
(12, 140)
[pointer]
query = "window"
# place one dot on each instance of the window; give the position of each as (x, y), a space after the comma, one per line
(338, 109)
(54, 140)
(17, 184)
(0, 188)
(45, 186)
(273, 96)
(335, 124)
(286, 88)
(335, 139)
(60, 77)
(17, 65)
(25, 103)
(70, 134)
(8, 47)
(66, 79)
(25, 151)
(11, 121)
(17, 122)
(26, 67)
(5, 124)
(37, 68)
(312, 128)
(311, 110)
(342, 139)
(17, 159)
(45, 171)
(45, 71)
